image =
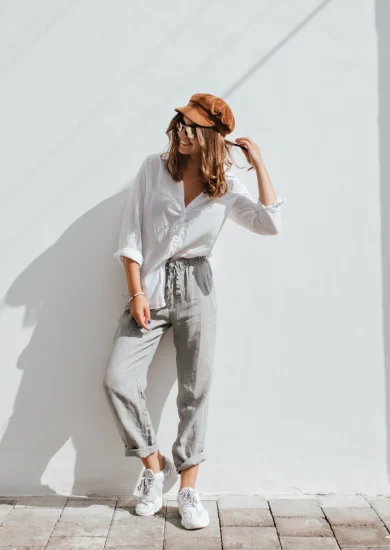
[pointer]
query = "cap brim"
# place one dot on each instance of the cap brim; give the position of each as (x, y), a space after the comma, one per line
(194, 115)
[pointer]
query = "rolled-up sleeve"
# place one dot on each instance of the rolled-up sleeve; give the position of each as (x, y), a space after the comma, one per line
(254, 215)
(130, 235)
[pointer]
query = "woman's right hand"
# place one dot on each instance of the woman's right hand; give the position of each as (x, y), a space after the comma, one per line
(139, 309)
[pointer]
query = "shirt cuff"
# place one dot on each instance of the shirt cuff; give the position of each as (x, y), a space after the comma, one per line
(131, 253)
(274, 207)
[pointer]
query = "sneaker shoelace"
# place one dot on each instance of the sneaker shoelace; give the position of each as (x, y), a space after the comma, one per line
(189, 498)
(145, 486)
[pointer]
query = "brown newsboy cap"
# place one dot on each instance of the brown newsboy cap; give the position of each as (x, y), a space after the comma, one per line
(211, 111)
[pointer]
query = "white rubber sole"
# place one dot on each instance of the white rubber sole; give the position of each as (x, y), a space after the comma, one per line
(188, 526)
(157, 508)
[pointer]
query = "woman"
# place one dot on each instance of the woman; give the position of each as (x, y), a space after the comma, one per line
(178, 204)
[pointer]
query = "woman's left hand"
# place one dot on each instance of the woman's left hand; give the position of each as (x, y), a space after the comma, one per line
(252, 152)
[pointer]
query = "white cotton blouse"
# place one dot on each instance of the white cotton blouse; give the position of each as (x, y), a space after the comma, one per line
(157, 225)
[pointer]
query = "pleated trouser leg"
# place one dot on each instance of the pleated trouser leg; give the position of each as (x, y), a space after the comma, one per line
(191, 310)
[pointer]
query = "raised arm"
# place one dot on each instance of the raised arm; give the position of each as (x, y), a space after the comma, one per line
(254, 215)
(261, 216)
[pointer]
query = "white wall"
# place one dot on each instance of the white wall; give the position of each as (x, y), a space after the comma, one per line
(299, 398)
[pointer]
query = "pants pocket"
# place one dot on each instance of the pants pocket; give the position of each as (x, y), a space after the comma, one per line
(203, 281)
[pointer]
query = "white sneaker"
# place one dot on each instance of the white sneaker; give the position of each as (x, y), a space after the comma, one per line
(152, 488)
(193, 514)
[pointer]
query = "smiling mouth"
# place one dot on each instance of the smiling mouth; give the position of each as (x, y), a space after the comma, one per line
(185, 143)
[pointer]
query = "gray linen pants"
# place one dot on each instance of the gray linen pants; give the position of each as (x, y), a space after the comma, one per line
(191, 311)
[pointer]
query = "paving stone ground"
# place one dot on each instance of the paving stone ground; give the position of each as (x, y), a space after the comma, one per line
(309, 522)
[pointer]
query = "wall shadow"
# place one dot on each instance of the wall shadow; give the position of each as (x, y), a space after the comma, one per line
(74, 294)
(382, 27)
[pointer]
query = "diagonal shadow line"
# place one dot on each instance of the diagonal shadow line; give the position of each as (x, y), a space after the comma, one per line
(107, 99)
(114, 145)
(275, 49)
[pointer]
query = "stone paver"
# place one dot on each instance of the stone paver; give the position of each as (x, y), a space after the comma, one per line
(288, 507)
(245, 517)
(369, 497)
(6, 506)
(85, 518)
(382, 508)
(52, 501)
(288, 522)
(378, 537)
(81, 543)
(28, 526)
(132, 531)
(264, 538)
(352, 516)
(303, 527)
(341, 501)
(308, 543)
(206, 543)
(242, 501)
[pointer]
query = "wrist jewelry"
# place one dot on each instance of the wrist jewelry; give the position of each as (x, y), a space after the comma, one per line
(131, 297)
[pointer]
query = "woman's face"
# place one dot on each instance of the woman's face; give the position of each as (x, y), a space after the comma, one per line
(188, 146)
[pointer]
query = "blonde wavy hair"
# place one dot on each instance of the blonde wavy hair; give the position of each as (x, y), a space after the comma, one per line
(215, 158)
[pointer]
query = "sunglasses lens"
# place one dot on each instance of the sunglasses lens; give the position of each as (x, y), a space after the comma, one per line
(190, 132)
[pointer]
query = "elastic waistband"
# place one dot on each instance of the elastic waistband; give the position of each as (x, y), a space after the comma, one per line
(182, 262)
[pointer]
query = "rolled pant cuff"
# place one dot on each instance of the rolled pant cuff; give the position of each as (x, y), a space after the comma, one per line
(192, 461)
(142, 451)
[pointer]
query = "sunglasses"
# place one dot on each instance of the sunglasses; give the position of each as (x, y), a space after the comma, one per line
(191, 133)
(188, 128)
(236, 144)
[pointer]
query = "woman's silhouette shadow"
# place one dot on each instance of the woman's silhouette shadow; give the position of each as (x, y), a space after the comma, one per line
(74, 294)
